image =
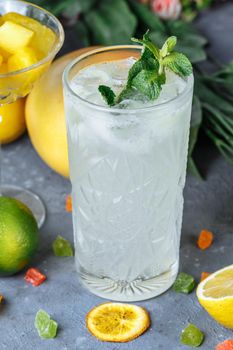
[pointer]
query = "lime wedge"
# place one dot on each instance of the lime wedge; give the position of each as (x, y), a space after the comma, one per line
(46, 327)
(62, 247)
(184, 283)
(192, 336)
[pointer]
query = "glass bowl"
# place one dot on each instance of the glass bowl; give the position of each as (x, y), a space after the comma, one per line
(17, 84)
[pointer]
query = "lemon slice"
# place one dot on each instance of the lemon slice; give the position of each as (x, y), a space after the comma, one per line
(215, 294)
(116, 322)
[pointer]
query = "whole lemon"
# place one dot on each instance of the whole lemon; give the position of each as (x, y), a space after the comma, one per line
(12, 121)
(18, 236)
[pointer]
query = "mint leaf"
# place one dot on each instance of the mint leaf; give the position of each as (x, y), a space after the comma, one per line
(148, 84)
(150, 64)
(171, 43)
(148, 44)
(168, 46)
(133, 72)
(142, 63)
(126, 94)
(107, 94)
(146, 53)
(178, 63)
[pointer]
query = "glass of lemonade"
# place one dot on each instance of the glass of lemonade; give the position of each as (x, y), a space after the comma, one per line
(128, 169)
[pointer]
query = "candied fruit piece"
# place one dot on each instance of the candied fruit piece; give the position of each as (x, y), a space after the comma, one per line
(22, 58)
(192, 336)
(184, 283)
(62, 247)
(35, 277)
(46, 327)
(205, 239)
(204, 275)
(14, 37)
(69, 203)
(226, 345)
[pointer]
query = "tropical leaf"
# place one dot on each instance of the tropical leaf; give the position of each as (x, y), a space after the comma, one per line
(196, 120)
(111, 23)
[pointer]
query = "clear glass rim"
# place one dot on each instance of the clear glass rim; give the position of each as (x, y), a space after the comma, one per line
(57, 46)
(95, 106)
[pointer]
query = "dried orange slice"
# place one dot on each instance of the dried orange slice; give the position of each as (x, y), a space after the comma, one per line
(116, 322)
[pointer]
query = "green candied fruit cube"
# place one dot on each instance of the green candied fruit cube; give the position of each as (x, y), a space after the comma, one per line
(62, 247)
(46, 327)
(192, 336)
(184, 283)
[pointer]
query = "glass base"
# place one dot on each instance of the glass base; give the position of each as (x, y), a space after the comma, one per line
(29, 199)
(130, 291)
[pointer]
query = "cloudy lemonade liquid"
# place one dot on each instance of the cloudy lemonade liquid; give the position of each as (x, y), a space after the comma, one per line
(128, 167)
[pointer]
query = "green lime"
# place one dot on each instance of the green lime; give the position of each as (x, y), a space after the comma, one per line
(192, 336)
(46, 327)
(18, 236)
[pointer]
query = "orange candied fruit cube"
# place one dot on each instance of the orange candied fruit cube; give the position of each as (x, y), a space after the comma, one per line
(205, 239)
(226, 345)
(34, 276)
(68, 203)
(204, 275)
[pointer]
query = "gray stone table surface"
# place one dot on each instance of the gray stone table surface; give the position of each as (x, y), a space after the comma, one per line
(208, 204)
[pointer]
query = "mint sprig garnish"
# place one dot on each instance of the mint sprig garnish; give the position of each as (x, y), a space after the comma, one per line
(148, 73)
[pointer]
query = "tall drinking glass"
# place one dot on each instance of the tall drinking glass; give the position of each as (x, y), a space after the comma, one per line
(128, 169)
(17, 84)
